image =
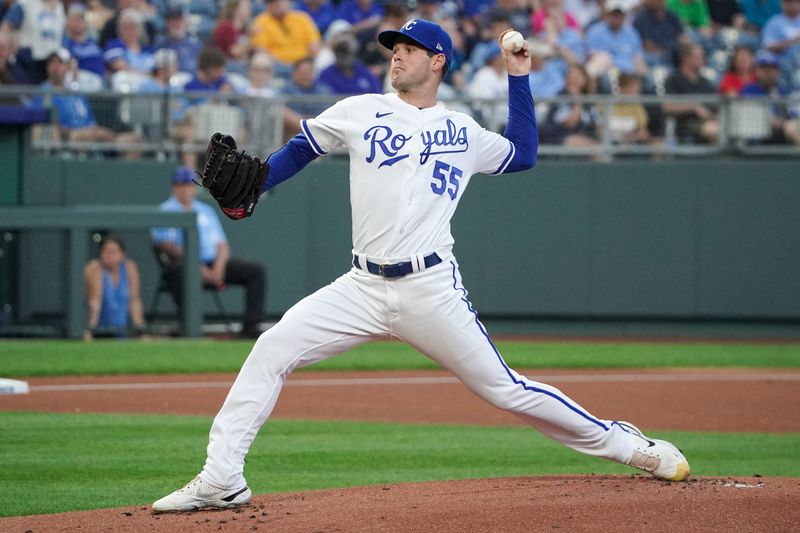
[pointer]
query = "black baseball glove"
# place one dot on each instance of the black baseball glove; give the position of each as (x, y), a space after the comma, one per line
(233, 177)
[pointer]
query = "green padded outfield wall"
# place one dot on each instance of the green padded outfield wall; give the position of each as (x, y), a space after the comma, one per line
(14, 142)
(638, 240)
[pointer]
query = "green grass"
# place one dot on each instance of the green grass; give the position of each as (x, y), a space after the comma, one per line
(54, 358)
(71, 462)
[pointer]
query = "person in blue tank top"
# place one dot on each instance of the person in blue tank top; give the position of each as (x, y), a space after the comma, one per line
(112, 292)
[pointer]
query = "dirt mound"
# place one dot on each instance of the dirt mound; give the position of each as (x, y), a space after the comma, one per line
(569, 503)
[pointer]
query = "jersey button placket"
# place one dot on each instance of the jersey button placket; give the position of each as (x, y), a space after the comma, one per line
(408, 188)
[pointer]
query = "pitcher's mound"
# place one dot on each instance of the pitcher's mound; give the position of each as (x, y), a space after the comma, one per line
(567, 503)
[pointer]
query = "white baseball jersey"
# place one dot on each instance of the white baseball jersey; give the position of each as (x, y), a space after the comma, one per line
(409, 168)
(42, 28)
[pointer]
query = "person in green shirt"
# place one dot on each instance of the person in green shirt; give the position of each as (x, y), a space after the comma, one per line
(694, 14)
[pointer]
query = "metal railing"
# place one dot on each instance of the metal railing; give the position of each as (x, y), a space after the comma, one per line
(169, 124)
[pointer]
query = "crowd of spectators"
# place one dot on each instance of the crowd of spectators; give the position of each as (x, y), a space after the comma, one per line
(737, 48)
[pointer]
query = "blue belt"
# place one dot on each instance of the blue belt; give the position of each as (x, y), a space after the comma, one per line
(396, 270)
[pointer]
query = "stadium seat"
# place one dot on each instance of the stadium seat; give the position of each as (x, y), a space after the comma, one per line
(162, 286)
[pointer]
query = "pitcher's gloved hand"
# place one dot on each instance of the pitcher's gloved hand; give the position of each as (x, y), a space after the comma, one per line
(233, 177)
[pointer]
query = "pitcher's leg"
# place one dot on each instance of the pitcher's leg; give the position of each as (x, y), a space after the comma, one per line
(439, 321)
(328, 322)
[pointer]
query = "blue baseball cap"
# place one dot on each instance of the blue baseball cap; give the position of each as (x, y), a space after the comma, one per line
(425, 33)
(765, 58)
(183, 175)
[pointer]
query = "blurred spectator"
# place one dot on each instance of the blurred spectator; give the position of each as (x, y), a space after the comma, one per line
(395, 14)
(110, 31)
(97, 14)
(129, 52)
(112, 292)
(584, 11)
(230, 34)
(516, 12)
(325, 56)
(694, 121)
(629, 120)
(165, 65)
(260, 74)
(209, 78)
(83, 48)
(348, 75)
(375, 55)
(614, 41)
(210, 75)
(660, 30)
(552, 16)
(11, 73)
(203, 14)
(76, 120)
(725, 14)
(363, 15)
(758, 12)
(781, 36)
(178, 39)
(427, 9)
(218, 268)
(491, 80)
(322, 11)
(572, 123)
(768, 83)
(475, 10)
(546, 77)
(455, 76)
(38, 26)
(694, 14)
(286, 34)
(5, 5)
(301, 85)
(565, 39)
(740, 72)
(490, 33)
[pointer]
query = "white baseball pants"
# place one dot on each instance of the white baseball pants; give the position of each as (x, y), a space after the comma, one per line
(430, 311)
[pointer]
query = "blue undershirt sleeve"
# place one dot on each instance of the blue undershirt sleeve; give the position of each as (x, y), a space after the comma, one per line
(289, 160)
(521, 127)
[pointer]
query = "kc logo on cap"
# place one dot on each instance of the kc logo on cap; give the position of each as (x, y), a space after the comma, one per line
(425, 33)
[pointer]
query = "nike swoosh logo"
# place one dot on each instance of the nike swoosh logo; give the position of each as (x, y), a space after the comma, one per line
(234, 495)
(381, 115)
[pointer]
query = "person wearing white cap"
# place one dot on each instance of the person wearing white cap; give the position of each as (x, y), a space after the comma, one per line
(165, 65)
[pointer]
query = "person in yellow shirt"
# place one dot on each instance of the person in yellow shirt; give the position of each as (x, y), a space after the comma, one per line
(629, 120)
(286, 34)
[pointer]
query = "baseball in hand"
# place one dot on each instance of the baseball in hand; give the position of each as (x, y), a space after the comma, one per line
(512, 41)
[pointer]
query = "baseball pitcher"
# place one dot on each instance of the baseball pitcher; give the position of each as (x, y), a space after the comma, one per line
(410, 161)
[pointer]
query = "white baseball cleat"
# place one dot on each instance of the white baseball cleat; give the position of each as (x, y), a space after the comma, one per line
(199, 494)
(658, 457)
